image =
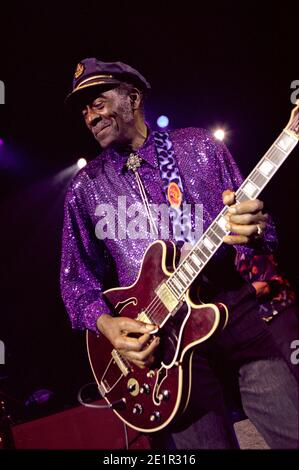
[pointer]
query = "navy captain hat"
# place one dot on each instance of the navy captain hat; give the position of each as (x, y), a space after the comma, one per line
(91, 73)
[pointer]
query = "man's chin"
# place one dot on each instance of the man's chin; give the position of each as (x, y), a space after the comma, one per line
(104, 143)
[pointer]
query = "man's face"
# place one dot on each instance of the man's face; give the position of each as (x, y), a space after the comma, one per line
(110, 118)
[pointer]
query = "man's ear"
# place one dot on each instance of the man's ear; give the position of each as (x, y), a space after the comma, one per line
(135, 98)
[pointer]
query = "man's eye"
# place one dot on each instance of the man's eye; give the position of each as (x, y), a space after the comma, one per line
(99, 105)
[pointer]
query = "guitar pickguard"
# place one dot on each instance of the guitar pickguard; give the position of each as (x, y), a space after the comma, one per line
(170, 336)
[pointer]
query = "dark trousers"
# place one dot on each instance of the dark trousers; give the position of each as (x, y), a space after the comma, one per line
(285, 330)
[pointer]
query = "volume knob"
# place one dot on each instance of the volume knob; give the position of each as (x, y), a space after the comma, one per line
(145, 388)
(155, 416)
(165, 395)
(137, 409)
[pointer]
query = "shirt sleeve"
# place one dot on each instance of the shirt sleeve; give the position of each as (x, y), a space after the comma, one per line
(231, 178)
(86, 265)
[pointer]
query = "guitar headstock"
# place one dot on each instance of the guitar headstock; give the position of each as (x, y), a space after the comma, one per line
(293, 124)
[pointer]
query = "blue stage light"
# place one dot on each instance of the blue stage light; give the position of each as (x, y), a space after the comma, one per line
(162, 121)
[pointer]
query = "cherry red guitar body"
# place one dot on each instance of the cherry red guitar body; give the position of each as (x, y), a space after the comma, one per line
(149, 399)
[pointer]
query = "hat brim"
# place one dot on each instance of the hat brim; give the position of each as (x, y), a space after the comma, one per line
(83, 93)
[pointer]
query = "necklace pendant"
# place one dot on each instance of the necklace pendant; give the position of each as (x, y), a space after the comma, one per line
(133, 162)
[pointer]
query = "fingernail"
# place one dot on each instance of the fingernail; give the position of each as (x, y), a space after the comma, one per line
(150, 327)
(232, 210)
(228, 226)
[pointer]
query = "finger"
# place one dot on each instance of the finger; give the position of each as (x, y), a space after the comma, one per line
(143, 364)
(228, 197)
(247, 219)
(128, 325)
(126, 343)
(235, 239)
(144, 341)
(144, 354)
(248, 230)
(251, 206)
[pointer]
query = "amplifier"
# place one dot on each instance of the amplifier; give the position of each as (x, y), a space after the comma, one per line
(77, 428)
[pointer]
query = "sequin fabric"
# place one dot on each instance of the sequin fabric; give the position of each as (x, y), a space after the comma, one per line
(92, 264)
(264, 268)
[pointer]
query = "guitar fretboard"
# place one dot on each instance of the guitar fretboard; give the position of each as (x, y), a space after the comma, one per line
(211, 240)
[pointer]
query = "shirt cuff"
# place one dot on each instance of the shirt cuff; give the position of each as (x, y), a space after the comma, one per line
(92, 312)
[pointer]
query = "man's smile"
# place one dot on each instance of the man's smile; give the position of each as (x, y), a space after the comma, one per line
(99, 131)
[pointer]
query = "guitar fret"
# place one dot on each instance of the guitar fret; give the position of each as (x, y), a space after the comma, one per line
(193, 264)
(250, 189)
(173, 285)
(187, 274)
(208, 243)
(286, 142)
(204, 250)
(218, 231)
(173, 288)
(267, 168)
(182, 276)
(214, 237)
(200, 253)
(177, 283)
(278, 156)
(196, 260)
(258, 178)
(241, 196)
(270, 153)
(188, 268)
(222, 223)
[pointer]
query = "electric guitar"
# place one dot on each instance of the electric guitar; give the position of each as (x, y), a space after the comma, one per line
(149, 399)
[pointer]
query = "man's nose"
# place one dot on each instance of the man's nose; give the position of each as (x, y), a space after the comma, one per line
(92, 117)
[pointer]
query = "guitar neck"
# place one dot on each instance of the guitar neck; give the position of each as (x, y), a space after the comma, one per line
(211, 240)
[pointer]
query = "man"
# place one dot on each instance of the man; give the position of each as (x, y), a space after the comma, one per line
(140, 166)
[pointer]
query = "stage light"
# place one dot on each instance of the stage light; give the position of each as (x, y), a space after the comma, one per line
(162, 121)
(1, 142)
(81, 163)
(219, 134)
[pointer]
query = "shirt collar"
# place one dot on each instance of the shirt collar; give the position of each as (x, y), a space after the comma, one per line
(147, 152)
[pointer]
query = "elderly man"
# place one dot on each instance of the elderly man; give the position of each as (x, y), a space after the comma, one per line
(183, 166)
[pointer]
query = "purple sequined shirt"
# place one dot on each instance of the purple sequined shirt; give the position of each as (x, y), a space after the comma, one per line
(91, 264)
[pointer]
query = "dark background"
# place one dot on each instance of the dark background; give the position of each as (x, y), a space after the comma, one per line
(208, 68)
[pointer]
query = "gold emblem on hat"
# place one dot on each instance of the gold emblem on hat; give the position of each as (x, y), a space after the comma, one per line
(133, 162)
(79, 70)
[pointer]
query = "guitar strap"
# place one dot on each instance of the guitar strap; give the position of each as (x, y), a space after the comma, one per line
(173, 187)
